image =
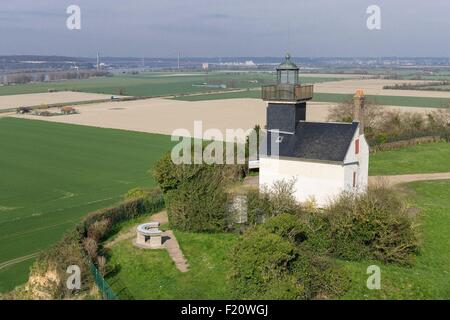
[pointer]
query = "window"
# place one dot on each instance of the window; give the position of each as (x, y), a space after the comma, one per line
(357, 146)
(354, 179)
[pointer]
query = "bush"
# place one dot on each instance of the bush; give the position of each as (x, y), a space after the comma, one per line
(196, 194)
(169, 175)
(98, 229)
(91, 247)
(199, 204)
(273, 261)
(270, 202)
(107, 218)
(383, 126)
(372, 225)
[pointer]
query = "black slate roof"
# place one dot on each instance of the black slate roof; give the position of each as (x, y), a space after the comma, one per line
(318, 141)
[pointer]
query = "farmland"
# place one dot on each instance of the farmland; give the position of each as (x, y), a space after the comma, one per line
(53, 174)
(155, 84)
(423, 102)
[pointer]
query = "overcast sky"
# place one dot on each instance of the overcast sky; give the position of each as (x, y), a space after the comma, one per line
(214, 28)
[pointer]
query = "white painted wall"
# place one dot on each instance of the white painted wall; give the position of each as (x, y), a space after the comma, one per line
(314, 180)
(317, 180)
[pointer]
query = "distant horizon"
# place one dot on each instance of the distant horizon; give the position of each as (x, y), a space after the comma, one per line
(222, 57)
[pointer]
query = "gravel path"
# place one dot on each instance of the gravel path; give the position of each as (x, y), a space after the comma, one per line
(175, 252)
(405, 178)
(390, 180)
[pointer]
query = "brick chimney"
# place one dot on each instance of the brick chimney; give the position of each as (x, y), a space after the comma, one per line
(358, 109)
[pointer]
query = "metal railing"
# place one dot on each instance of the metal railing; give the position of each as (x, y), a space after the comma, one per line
(287, 92)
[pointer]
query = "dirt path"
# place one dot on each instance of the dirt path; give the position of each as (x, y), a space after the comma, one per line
(405, 178)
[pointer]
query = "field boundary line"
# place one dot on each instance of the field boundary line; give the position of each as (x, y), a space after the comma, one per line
(18, 260)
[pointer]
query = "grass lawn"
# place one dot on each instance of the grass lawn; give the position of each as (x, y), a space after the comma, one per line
(151, 274)
(53, 174)
(424, 158)
(429, 278)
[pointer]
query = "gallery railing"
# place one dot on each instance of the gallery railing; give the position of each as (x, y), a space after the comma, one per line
(287, 92)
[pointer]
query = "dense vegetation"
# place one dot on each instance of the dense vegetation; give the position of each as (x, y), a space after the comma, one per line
(382, 126)
(277, 260)
(196, 195)
(290, 255)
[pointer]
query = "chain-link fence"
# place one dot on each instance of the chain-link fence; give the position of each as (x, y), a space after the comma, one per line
(105, 289)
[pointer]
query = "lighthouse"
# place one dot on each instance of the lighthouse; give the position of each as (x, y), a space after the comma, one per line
(323, 158)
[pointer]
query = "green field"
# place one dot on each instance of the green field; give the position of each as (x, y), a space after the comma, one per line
(53, 174)
(424, 158)
(155, 84)
(330, 97)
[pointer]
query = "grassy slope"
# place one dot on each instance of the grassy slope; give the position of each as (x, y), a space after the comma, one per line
(53, 174)
(425, 158)
(151, 274)
(429, 277)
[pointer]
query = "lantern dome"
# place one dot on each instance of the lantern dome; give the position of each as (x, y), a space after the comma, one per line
(287, 72)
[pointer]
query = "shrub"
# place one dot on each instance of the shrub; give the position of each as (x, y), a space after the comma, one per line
(91, 247)
(101, 262)
(199, 204)
(126, 210)
(98, 229)
(273, 262)
(169, 175)
(372, 225)
(271, 201)
(196, 194)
